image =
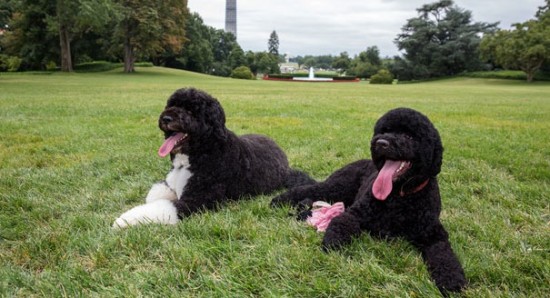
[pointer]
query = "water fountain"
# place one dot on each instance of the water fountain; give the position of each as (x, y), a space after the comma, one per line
(311, 77)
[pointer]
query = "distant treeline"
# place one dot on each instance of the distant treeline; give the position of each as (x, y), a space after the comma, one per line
(442, 40)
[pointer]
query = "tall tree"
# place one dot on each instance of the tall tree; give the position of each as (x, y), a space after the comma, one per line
(342, 62)
(236, 57)
(371, 55)
(366, 64)
(273, 44)
(6, 10)
(526, 47)
(266, 63)
(197, 52)
(223, 45)
(544, 10)
(149, 27)
(442, 40)
(75, 17)
(28, 36)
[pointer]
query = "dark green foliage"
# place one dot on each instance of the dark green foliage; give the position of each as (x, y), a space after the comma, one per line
(507, 74)
(28, 36)
(9, 63)
(526, 47)
(266, 63)
(149, 28)
(344, 78)
(273, 44)
(441, 41)
(383, 76)
(197, 53)
(362, 69)
(342, 62)
(97, 66)
(322, 61)
(242, 72)
(366, 64)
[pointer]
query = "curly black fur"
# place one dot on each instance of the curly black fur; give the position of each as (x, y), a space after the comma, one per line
(412, 208)
(223, 165)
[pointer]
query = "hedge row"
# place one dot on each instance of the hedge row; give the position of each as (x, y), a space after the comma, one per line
(99, 66)
(289, 76)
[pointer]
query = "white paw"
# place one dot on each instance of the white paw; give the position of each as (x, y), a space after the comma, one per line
(160, 211)
(160, 191)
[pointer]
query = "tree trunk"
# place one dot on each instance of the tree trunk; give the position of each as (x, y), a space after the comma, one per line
(531, 69)
(530, 76)
(129, 57)
(65, 44)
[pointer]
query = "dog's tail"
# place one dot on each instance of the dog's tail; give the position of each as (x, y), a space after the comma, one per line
(298, 178)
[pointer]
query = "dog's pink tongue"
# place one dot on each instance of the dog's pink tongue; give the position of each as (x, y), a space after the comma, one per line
(169, 144)
(383, 184)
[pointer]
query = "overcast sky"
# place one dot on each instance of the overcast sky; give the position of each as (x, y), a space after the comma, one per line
(319, 27)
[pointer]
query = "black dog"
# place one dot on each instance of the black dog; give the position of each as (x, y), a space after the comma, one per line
(395, 194)
(210, 164)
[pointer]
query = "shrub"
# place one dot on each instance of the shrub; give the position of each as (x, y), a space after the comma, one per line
(143, 64)
(507, 74)
(96, 66)
(10, 63)
(363, 70)
(51, 66)
(345, 78)
(383, 76)
(242, 72)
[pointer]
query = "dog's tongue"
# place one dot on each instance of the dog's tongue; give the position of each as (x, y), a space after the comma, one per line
(383, 184)
(169, 144)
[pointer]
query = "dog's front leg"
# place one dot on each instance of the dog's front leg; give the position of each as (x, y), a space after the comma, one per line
(443, 265)
(341, 231)
(196, 200)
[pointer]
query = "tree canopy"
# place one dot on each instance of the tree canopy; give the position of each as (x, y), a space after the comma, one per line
(76, 17)
(273, 43)
(441, 41)
(150, 27)
(525, 47)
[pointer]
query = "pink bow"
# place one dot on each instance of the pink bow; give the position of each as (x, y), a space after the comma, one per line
(323, 213)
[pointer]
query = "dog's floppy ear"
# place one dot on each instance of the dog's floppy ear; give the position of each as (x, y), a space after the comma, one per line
(215, 117)
(429, 134)
(437, 158)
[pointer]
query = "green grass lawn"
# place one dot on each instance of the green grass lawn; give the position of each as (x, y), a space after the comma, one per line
(77, 150)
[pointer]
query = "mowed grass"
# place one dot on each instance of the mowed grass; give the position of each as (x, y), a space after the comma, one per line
(78, 150)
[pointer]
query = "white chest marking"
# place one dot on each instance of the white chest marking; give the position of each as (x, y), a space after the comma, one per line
(177, 178)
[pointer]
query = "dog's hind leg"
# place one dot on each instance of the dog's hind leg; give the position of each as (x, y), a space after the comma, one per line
(159, 211)
(341, 186)
(298, 178)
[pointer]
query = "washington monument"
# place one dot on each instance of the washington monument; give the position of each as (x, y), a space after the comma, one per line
(231, 16)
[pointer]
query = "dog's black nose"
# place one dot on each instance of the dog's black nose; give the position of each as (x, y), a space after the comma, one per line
(382, 143)
(166, 119)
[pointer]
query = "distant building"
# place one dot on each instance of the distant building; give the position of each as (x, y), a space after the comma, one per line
(231, 16)
(288, 67)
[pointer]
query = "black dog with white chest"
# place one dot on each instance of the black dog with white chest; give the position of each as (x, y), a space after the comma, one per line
(210, 164)
(395, 194)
